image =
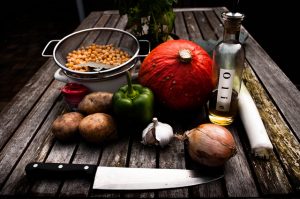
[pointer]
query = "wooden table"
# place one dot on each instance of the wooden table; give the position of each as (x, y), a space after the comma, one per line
(25, 133)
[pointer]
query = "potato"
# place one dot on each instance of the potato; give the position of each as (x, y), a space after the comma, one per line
(65, 127)
(96, 102)
(98, 127)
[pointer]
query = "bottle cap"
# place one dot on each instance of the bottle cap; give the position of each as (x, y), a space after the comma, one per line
(232, 20)
(233, 16)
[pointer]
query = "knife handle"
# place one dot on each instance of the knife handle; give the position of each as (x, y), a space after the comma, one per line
(60, 170)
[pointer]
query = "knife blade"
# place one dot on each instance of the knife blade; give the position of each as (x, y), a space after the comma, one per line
(123, 178)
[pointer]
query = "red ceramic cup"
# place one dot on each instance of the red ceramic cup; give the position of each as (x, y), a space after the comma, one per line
(73, 94)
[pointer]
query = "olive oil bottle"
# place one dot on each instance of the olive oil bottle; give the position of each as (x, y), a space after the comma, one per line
(228, 64)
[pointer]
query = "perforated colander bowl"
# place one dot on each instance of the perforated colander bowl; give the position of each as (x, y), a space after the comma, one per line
(100, 36)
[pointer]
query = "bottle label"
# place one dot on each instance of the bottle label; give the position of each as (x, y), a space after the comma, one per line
(224, 90)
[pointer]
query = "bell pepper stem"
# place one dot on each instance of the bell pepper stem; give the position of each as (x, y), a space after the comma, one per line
(131, 93)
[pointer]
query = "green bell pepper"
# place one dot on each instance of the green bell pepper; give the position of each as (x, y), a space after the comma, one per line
(133, 103)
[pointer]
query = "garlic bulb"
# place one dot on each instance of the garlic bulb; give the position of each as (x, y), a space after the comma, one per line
(157, 133)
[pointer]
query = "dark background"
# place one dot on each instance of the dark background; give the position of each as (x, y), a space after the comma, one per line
(26, 27)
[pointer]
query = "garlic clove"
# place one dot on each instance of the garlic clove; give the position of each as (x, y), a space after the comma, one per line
(148, 136)
(157, 133)
(164, 134)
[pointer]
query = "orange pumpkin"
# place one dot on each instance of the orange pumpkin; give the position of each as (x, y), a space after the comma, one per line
(179, 72)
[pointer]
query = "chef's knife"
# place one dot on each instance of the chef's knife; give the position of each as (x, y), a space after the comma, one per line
(120, 178)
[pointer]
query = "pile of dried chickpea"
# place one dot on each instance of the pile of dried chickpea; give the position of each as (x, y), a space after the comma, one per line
(106, 54)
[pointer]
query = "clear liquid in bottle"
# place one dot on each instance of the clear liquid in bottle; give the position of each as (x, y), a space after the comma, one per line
(228, 64)
(222, 117)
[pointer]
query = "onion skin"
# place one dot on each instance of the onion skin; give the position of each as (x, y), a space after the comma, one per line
(210, 145)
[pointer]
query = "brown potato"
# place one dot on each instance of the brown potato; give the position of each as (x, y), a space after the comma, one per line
(96, 102)
(98, 127)
(65, 127)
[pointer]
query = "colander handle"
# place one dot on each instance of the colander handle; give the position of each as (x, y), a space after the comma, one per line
(60, 77)
(43, 53)
(149, 48)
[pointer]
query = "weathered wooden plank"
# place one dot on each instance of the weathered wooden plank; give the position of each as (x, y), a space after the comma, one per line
(238, 177)
(269, 173)
(191, 26)
(17, 109)
(18, 183)
(23, 136)
(173, 157)
(191, 9)
(211, 190)
(120, 39)
(114, 154)
(271, 170)
(215, 23)
(104, 36)
(117, 36)
(284, 93)
(90, 21)
(60, 153)
(111, 12)
(90, 38)
(283, 140)
(180, 29)
(266, 171)
(86, 153)
(122, 22)
(141, 157)
(204, 26)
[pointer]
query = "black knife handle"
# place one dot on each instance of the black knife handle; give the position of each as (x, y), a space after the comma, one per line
(60, 170)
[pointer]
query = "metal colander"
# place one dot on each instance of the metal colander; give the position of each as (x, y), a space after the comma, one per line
(101, 36)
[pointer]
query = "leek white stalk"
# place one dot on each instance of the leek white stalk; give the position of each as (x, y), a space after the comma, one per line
(261, 145)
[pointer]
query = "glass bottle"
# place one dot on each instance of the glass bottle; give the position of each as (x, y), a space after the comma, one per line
(228, 64)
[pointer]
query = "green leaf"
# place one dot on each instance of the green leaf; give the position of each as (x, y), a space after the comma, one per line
(160, 12)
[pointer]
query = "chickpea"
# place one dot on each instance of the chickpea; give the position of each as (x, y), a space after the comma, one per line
(107, 54)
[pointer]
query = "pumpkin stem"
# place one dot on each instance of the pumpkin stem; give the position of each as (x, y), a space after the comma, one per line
(185, 56)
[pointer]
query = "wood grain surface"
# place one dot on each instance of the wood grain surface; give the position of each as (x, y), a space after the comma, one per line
(25, 128)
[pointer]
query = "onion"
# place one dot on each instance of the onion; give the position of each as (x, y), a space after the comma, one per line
(210, 144)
